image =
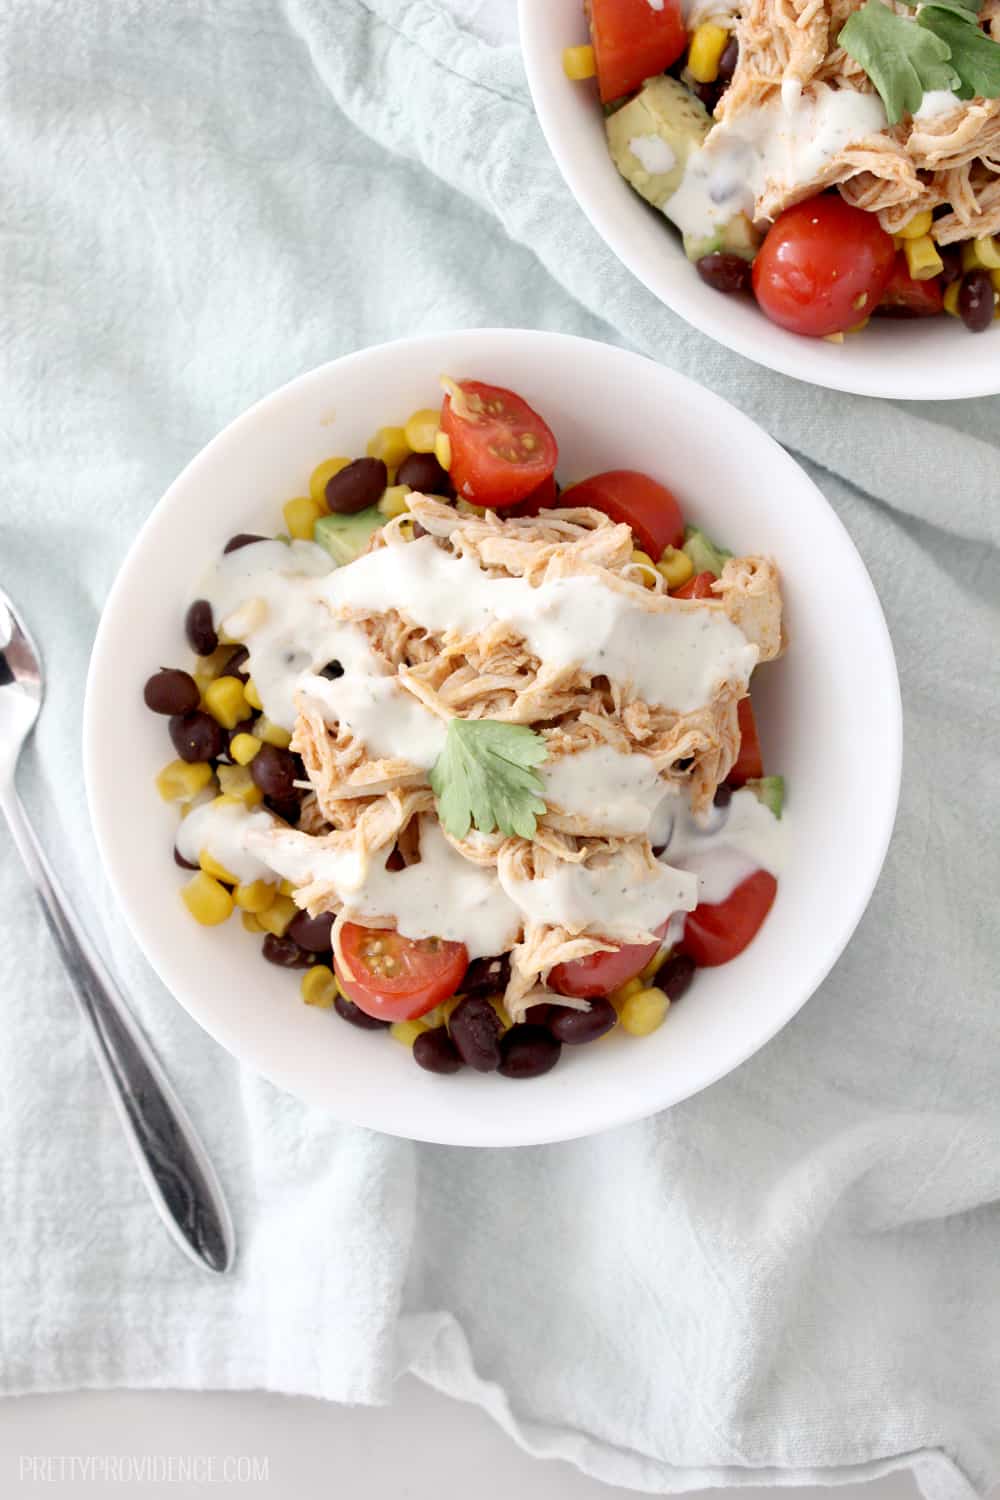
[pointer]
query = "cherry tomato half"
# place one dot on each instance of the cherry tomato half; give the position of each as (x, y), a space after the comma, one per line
(905, 298)
(748, 764)
(715, 934)
(501, 449)
(542, 498)
(823, 266)
(600, 973)
(698, 587)
(626, 495)
(633, 40)
(396, 978)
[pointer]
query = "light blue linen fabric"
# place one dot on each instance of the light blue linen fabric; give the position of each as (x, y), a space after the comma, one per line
(795, 1275)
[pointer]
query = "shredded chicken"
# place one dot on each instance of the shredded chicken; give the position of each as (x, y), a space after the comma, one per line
(949, 159)
(369, 807)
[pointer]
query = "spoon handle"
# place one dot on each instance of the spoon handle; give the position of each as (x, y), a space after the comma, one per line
(171, 1159)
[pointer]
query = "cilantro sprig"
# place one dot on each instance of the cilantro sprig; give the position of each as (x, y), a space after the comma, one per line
(942, 47)
(485, 777)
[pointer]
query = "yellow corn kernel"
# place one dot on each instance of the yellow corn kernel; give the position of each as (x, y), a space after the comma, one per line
(981, 255)
(181, 780)
(319, 986)
(676, 567)
(226, 701)
(208, 667)
(922, 258)
(579, 63)
(256, 896)
(271, 733)
(390, 445)
(624, 992)
(644, 1012)
(276, 917)
(393, 501)
(917, 227)
(406, 528)
(207, 901)
(653, 968)
(215, 869)
(447, 1006)
(251, 694)
(645, 562)
(321, 476)
(833, 338)
(951, 298)
(422, 429)
(501, 1011)
(707, 46)
(239, 786)
(442, 450)
(243, 748)
(407, 1031)
(250, 923)
(286, 888)
(301, 515)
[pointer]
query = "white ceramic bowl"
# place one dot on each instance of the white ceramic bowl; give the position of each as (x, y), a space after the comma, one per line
(932, 359)
(829, 714)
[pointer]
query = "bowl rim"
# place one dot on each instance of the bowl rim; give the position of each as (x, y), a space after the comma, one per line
(898, 381)
(101, 687)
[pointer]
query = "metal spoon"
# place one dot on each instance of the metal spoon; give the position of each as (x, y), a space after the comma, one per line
(171, 1159)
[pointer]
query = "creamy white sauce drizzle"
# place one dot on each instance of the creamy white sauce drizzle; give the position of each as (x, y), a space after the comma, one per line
(732, 844)
(653, 152)
(605, 898)
(616, 793)
(788, 140)
(223, 829)
(388, 719)
(937, 102)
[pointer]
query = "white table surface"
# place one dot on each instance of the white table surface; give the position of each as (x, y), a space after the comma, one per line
(424, 1447)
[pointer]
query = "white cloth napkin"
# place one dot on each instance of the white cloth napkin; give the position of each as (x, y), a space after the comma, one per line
(792, 1276)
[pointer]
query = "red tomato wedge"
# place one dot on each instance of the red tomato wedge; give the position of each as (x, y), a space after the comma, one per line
(600, 973)
(749, 763)
(715, 934)
(698, 587)
(626, 495)
(632, 41)
(501, 450)
(906, 298)
(396, 978)
(823, 266)
(542, 498)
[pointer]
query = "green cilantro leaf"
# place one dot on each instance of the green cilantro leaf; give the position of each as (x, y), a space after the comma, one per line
(974, 56)
(904, 61)
(485, 777)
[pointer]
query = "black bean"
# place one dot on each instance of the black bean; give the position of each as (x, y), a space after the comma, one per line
(487, 976)
(179, 859)
(197, 736)
(274, 770)
(674, 977)
(708, 93)
(952, 264)
(311, 933)
(976, 302)
(418, 531)
(358, 1017)
(538, 1015)
(234, 666)
(723, 794)
(422, 472)
(475, 1030)
(243, 539)
(435, 1051)
(727, 62)
(331, 671)
(575, 1027)
(285, 952)
(289, 809)
(170, 691)
(724, 273)
(528, 1052)
(357, 487)
(200, 628)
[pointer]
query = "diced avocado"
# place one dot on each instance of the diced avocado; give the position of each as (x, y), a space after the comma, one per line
(652, 136)
(345, 537)
(737, 237)
(770, 790)
(703, 552)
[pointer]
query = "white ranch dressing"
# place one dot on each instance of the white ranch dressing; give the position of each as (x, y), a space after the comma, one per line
(222, 829)
(788, 140)
(616, 792)
(677, 657)
(605, 898)
(729, 846)
(653, 152)
(937, 102)
(390, 721)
